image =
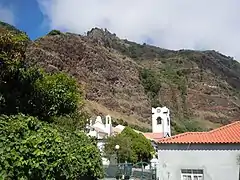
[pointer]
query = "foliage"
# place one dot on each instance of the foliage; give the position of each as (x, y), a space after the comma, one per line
(133, 126)
(31, 149)
(186, 125)
(150, 81)
(192, 126)
(29, 90)
(134, 147)
(142, 129)
(175, 77)
(57, 94)
(141, 146)
(72, 122)
(54, 32)
(9, 27)
(152, 84)
(12, 50)
(125, 152)
(18, 91)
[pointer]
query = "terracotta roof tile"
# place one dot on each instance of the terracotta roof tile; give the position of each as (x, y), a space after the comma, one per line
(226, 135)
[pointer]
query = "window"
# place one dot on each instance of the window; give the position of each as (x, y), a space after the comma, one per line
(192, 174)
(159, 120)
(108, 119)
(168, 121)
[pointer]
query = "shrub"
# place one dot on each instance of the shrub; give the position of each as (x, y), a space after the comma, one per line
(54, 32)
(56, 94)
(31, 149)
(30, 90)
(134, 147)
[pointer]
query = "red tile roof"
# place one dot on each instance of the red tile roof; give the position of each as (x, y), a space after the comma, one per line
(226, 135)
(153, 136)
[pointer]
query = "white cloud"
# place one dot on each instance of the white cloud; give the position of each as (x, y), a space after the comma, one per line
(173, 24)
(6, 15)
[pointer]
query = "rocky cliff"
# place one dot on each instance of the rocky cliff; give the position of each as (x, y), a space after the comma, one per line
(124, 79)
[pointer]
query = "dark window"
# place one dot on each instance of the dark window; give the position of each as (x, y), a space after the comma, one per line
(168, 121)
(159, 120)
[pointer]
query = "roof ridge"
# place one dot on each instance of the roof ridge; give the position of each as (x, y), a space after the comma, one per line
(226, 134)
(224, 127)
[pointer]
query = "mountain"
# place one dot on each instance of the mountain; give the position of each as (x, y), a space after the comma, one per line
(125, 79)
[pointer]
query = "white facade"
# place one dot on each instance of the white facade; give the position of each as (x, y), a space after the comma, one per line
(199, 162)
(108, 125)
(99, 129)
(160, 125)
(161, 121)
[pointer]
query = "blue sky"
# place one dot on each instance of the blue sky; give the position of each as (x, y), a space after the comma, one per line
(27, 16)
(171, 24)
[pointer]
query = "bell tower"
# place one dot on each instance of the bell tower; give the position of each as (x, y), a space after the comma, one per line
(161, 121)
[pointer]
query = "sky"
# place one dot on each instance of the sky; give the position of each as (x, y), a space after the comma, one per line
(171, 24)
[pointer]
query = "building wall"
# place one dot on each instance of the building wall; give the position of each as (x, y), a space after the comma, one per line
(219, 162)
(164, 127)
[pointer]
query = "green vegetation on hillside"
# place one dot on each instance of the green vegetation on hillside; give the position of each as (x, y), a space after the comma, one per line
(133, 126)
(41, 120)
(54, 32)
(134, 147)
(152, 81)
(9, 27)
(181, 125)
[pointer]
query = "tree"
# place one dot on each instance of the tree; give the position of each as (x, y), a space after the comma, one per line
(52, 148)
(56, 94)
(31, 149)
(134, 147)
(125, 152)
(30, 90)
(141, 146)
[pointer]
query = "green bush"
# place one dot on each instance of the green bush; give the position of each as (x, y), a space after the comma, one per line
(31, 149)
(29, 90)
(134, 147)
(151, 82)
(186, 125)
(54, 32)
(56, 94)
(72, 122)
(125, 152)
(141, 146)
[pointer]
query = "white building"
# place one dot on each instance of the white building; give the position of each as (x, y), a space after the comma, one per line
(161, 124)
(99, 129)
(160, 127)
(213, 155)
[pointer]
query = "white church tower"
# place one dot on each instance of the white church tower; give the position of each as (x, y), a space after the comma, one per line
(161, 121)
(108, 125)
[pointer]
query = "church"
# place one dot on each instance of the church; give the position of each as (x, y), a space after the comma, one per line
(101, 129)
(161, 126)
